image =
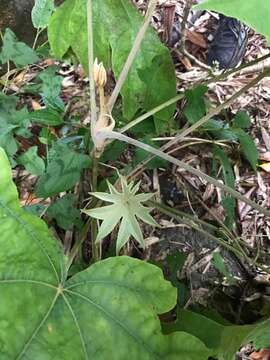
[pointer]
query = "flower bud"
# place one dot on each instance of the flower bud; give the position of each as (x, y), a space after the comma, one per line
(100, 75)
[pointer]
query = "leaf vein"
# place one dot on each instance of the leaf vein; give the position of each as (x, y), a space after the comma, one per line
(28, 343)
(31, 234)
(115, 320)
(77, 326)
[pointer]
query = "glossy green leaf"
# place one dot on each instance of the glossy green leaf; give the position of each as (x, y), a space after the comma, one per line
(260, 335)
(108, 311)
(36, 209)
(255, 13)
(17, 52)
(175, 263)
(41, 13)
(68, 28)
(113, 151)
(33, 163)
(63, 171)
(225, 340)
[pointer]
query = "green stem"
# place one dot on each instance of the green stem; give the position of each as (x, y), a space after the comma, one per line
(234, 71)
(94, 228)
(76, 247)
(239, 253)
(167, 211)
(39, 31)
(93, 105)
(132, 55)
(114, 135)
(219, 108)
(151, 112)
(203, 120)
(183, 214)
(178, 97)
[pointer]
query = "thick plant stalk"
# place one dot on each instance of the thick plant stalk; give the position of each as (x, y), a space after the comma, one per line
(190, 222)
(106, 134)
(178, 97)
(76, 247)
(204, 119)
(93, 109)
(93, 106)
(151, 112)
(94, 225)
(132, 55)
(219, 108)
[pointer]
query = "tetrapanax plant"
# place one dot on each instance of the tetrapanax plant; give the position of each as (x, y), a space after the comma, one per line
(127, 208)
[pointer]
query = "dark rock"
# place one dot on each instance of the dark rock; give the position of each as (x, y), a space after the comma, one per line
(229, 44)
(16, 14)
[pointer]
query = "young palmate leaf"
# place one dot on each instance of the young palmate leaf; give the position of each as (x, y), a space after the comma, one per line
(127, 207)
(108, 311)
(41, 13)
(33, 163)
(16, 51)
(63, 170)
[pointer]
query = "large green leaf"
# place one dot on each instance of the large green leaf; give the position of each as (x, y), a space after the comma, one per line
(108, 311)
(116, 24)
(254, 13)
(225, 340)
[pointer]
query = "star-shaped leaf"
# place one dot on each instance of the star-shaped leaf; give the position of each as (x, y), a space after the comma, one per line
(127, 208)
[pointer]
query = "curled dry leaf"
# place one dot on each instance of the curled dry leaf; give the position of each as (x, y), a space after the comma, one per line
(265, 156)
(197, 39)
(263, 354)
